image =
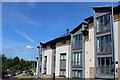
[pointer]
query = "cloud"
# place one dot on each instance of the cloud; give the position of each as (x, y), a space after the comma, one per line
(8, 49)
(27, 54)
(23, 35)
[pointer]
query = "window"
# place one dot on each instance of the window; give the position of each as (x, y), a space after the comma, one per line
(103, 23)
(104, 66)
(77, 41)
(98, 44)
(102, 61)
(45, 64)
(63, 42)
(63, 56)
(62, 72)
(54, 61)
(47, 46)
(77, 73)
(106, 61)
(77, 58)
(104, 44)
(99, 63)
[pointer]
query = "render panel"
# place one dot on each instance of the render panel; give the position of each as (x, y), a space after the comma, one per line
(89, 53)
(116, 29)
(60, 50)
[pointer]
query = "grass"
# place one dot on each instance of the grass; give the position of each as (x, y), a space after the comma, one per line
(24, 77)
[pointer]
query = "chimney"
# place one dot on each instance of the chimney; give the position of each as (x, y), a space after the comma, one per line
(67, 30)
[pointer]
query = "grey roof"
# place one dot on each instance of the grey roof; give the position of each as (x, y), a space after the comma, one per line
(64, 35)
(78, 27)
(106, 6)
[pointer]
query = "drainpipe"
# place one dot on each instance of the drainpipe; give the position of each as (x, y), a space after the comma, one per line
(112, 39)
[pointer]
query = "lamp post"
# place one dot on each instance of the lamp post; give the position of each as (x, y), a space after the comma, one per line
(30, 47)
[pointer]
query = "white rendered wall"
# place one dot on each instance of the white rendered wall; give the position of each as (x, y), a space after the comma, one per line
(119, 44)
(89, 53)
(62, 49)
(116, 41)
(47, 53)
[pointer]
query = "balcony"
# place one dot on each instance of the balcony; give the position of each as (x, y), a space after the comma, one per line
(104, 28)
(105, 48)
(77, 44)
(104, 71)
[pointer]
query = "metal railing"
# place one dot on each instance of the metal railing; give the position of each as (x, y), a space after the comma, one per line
(103, 28)
(104, 48)
(77, 44)
(104, 70)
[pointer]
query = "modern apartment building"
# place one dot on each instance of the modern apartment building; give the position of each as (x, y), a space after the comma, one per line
(90, 50)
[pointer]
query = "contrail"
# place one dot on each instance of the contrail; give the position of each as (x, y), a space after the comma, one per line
(23, 35)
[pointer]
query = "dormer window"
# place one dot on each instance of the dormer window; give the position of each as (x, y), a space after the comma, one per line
(47, 46)
(63, 42)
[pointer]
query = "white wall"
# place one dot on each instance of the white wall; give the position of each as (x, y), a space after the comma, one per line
(47, 53)
(116, 41)
(62, 49)
(37, 68)
(119, 44)
(89, 53)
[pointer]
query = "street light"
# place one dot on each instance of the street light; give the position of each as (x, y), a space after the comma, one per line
(30, 47)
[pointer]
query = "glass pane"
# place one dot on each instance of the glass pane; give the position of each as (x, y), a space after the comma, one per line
(64, 57)
(76, 58)
(64, 72)
(79, 62)
(102, 61)
(73, 60)
(98, 61)
(107, 61)
(98, 46)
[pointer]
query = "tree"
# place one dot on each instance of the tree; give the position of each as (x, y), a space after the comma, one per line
(15, 64)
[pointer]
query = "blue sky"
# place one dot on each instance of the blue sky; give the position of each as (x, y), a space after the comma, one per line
(27, 23)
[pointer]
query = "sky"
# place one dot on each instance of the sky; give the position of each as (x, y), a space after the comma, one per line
(28, 23)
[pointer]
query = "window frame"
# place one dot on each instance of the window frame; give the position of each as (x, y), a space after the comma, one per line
(62, 56)
(62, 72)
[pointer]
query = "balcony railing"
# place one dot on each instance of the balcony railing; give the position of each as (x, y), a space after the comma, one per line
(77, 44)
(104, 28)
(104, 70)
(104, 48)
